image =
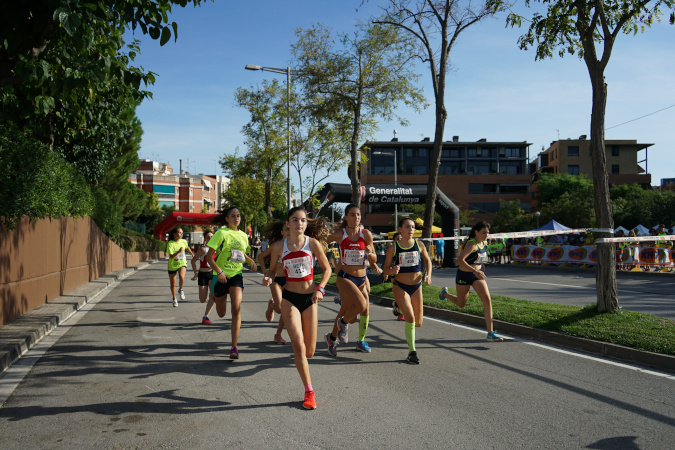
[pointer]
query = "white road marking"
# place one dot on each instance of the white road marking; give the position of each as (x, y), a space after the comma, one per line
(560, 285)
(560, 350)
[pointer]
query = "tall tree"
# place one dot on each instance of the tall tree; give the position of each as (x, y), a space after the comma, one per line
(590, 28)
(265, 134)
(362, 76)
(436, 26)
(318, 148)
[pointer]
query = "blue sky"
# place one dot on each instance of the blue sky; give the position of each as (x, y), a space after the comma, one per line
(495, 90)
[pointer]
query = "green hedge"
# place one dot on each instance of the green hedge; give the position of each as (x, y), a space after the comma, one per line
(38, 183)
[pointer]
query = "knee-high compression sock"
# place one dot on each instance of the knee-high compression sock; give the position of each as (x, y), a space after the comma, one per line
(363, 327)
(410, 336)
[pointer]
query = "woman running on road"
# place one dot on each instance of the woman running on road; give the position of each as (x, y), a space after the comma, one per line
(356, 248)
(204, 276)
(274, 231)
(471, 272)
(305, 244)
(175, 250)
(232, 248)
(404, 261)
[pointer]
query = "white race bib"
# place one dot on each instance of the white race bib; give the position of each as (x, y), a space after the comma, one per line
(181, 255)
(354, 257)
(408, 259)
(298, 267)
(237, 256)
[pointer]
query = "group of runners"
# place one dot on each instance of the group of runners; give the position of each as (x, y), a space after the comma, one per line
(297, 246)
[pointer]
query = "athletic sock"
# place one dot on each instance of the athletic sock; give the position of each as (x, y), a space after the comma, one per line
(342, 320)
(308, 387)
(410, 335)
(363, 327)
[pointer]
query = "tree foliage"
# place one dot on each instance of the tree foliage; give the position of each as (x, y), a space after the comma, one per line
(353, 79)
(265, 138)
(435, 26)
(590, 29)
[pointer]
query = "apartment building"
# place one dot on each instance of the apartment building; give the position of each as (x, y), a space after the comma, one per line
(573, 156)
(475, 175)
(184, 191)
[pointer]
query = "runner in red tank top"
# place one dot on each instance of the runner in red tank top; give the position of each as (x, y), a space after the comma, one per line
(301, 294)
(356, 248)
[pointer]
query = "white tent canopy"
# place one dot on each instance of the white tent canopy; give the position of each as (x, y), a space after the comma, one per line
(620, 228)
(641, 230)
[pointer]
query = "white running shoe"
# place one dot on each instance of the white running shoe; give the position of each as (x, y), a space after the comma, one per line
(182, 294)
(175, 302)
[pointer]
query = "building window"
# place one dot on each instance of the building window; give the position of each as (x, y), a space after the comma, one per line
(451, 153)
(511, 167)
(471, 152)
(573, 150)
(451, 168)
(615, 150)
(573, 169)
(615, 169)
(163, 189)
(514, 189)
(416, 161)
(481, 188)
(509, 152)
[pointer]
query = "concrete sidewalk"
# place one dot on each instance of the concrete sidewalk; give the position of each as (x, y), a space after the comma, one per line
(20, 335)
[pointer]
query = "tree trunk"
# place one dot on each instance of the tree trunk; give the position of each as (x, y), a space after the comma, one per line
(354, 168)
(268, 194)
(605, 280)
(435, 160)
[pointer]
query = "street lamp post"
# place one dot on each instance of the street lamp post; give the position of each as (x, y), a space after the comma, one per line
(537, 214)
(380, 152)
(288, 72)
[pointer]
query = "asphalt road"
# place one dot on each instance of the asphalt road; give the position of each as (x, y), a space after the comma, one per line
(131, 371)
(646, 292)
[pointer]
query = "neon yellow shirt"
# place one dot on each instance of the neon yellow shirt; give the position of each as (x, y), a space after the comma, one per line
(230, 246)
(180, 260)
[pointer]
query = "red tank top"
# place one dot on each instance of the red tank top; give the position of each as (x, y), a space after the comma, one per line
(353, 253)
(202, 259)
(299, 264)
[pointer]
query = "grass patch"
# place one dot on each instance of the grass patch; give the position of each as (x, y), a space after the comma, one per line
(627, 328)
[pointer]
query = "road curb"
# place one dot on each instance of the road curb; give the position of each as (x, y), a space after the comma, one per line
(21, 334)
(606, 349)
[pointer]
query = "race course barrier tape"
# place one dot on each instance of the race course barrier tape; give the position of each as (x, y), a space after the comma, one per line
(635, 239)
(521, 234)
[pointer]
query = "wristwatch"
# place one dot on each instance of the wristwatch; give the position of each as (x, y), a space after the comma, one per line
(322, 290)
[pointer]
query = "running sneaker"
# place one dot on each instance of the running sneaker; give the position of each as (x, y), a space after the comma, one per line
(206, 320)
(175, 302)
(332, 345)
(441, 295)
(342, 329)
(310, 401)
(182, 294)
(278, 339)
(401, 318)
(362, 346)
(412, 358)
(338, 300)
(269, 314)
(234, 353)
(494, 337)
(395, 310)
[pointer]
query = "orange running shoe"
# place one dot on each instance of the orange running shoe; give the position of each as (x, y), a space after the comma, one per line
(310, 401)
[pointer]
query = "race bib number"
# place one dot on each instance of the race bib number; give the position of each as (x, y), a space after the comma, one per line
(298, 267)
(180, 256)
(408, 259)
(237, 256)
(354, 257)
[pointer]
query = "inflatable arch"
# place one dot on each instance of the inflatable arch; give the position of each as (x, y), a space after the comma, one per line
(181, 218)
(400, 194)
